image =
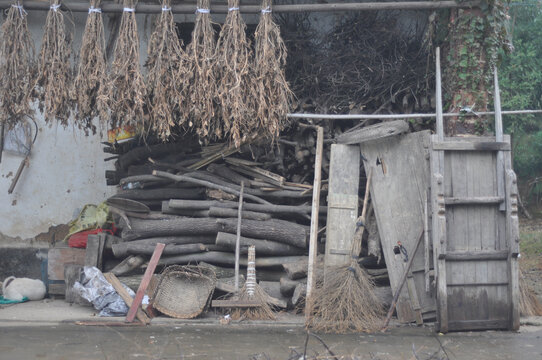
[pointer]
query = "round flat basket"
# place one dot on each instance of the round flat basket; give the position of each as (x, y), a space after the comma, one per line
(184, 291)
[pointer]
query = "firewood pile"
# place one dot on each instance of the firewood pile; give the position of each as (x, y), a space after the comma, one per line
(187, 196)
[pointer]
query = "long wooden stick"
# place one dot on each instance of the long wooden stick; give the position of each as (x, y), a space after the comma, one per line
(115, 282)
(402, 282)
(145, 282)
(314, 217)
(238, 238)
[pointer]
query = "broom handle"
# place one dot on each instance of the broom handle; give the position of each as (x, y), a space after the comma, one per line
(238, 239)
(402, 282)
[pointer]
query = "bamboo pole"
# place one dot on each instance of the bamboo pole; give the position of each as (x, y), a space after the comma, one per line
(314, 217)
(142, 8)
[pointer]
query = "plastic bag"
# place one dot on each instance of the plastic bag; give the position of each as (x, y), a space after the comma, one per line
(98, 291)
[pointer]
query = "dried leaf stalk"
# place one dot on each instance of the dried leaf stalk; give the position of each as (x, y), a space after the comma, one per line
(237, 84)
(127, 91)
(90, 86)
(199, 82)
(17, 67)
(55, 72)
(166, 63)
(273, 92)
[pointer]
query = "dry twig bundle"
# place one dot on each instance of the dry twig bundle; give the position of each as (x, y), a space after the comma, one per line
(345, 302)
(17, 67)
(199, 82)
(90, 86)
(251, 291)
(528, 302)
(166, 62)
(237, 84)
(55, 72)
(274, 96)
(127, 91)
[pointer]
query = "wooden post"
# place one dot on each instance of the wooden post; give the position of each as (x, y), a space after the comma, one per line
(238, 238)
(145, 282)
(512, 234)
(499, 138)
(314, 217)
(438, 85)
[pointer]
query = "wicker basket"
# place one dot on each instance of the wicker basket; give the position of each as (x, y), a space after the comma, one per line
(184, 291)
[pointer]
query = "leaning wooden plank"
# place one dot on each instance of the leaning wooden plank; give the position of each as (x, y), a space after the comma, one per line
(373, 132)
(263, 247)
(114, 281)
(400, 180)
(342, 204)
(145, 282)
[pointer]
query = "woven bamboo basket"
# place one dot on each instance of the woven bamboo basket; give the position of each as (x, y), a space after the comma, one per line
(184, 292)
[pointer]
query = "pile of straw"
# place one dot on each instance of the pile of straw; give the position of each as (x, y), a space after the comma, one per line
(55, 73)
(127, 91)
(200, 79)
(90, 86)
(166, 62)
(237, 84)
(17, 67)
(274, 97)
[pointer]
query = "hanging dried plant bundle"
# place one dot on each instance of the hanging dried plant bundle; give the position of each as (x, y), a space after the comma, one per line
(274, 96)
(237, 85)
(17, 67)
(89, 90)
(166, 62)
(55, 73)
(199, 82)
(127, 92)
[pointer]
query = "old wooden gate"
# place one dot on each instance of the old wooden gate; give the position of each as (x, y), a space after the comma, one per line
(474, 228)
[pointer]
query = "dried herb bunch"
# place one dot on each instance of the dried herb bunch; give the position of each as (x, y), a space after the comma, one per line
(55, 72)
(127, 91)
(89, 90)
(17, 67)
(274, 97)
(237, 84)
(199, 81)
(166, 63)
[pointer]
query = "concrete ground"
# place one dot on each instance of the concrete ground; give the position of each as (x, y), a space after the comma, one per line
(47, 330)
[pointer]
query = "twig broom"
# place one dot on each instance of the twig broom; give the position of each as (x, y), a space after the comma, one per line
(346, 301)
(252, 292)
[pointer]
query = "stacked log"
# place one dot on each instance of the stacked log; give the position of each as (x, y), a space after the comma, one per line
(187, 197)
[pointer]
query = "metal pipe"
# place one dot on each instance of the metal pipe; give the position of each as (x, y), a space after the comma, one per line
(252, 9)
(400, 116)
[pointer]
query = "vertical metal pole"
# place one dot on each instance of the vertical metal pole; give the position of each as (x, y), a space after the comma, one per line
(314, 217)
(438, 86)
(499, 138)
(238, 239)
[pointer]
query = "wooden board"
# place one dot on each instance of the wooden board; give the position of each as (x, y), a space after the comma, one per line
(342, 204)
(475, 257)
(59, 257)
(400, 180)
